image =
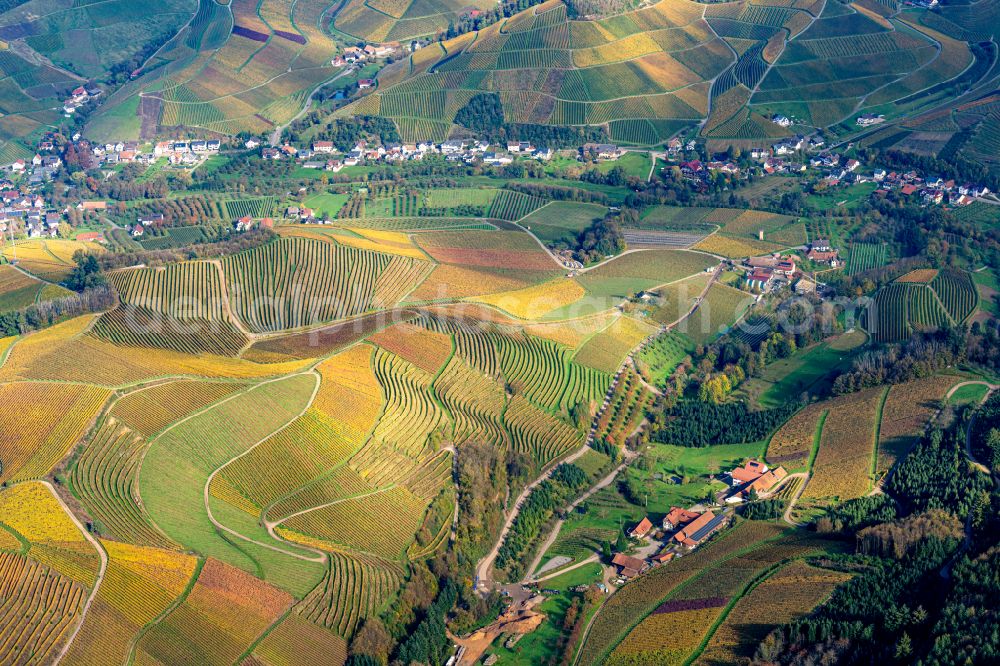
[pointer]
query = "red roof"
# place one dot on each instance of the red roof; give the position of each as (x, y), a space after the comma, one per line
(817, 255)
(908, 189)
(767, 481)
(679, 517)
(749, 472)
(643, 528)
(627, 562)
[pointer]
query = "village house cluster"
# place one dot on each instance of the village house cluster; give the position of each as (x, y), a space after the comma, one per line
(371, 52)
(932, 191)
(775, 271)
(80, 96)
(27, 212)
(683, 530)
(188, 152)
(324, 155)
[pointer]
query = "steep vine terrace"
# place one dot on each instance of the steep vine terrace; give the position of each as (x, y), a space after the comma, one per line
(290, 419)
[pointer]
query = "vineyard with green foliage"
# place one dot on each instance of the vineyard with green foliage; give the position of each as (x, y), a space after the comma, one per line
(900, 308)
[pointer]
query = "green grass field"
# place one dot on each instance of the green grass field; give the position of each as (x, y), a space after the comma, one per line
(989, 288)
(561, 221)
(178, 464)
(841, 197)
(326, 204)
(663, 354)
(970, 394)
(810, 370)
(632, 163)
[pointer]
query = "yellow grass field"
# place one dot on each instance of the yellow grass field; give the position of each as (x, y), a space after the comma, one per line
(535, 302)
(572, 332)
(62, 352)
(31, 510)
(606, 350)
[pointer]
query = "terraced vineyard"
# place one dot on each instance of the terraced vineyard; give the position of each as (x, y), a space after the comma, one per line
(904, 306)
(234, 68)
(865, 257)
(641, 72)
(297, 282)
(264, 488)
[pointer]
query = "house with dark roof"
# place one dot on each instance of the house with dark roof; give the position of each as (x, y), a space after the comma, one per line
(694, 533)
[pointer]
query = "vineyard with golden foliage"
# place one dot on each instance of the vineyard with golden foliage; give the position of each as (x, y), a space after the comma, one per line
(782, 597)
(535, 302)
(150, 410)
(139, 584)
(632, 602)
(38, 606)
(65, 352)
(105, 479)
(32, 511)
(428, 350)
(794, 441)
(225, 611)
(666, 636)
(40, 422)
(734, 248)
(843, 464)
(298, 641)
(908, 409)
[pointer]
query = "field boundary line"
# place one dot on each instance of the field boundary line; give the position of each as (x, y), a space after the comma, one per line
(171, 607)
(203, 410)
(97, 580)
(875, 484)
(227, 306)
(270, 525)
(208, 482)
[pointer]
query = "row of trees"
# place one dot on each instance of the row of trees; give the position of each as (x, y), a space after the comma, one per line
(921, 356)
(536, 510)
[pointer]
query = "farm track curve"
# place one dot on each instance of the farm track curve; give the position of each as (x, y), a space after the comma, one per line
(485, 566)
(97, 580)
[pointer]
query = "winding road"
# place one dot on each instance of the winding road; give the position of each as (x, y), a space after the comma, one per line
(484, 568)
